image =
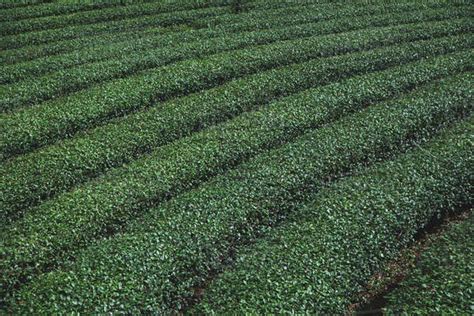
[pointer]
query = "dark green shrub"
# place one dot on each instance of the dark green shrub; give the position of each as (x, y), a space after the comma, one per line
(45, 173)
(174, 247)
(46, 123)
(324, 255)
(441, 282)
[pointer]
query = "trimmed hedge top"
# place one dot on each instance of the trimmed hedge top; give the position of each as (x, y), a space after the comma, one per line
(441, 282)
(155, 153)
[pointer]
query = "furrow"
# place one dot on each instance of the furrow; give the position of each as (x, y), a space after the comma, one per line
(442, 278)
(53, 231)
(37, 67)
(30, 179)
(332, 245)
(36, 126)
(154, 267)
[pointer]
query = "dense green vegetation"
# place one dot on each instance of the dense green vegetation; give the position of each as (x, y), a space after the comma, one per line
(42, 124)
(268, 181)
(442, 279)
(53, 63)
(247, 21)
(167, 156)
(60, 83)
(162, 19)
(347, 232)
(54, 21)
(45, 173)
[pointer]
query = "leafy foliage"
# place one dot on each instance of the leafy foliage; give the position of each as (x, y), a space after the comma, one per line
(54, 21)
(48, 172)
(175, 246)
(72, 31)
(43, 124)
(150, 40)
(152, 151)
(441, 283)
(330, 246)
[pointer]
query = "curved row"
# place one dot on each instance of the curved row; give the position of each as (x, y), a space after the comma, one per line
(54, 9)
(104, 15)
(42, 174)
(22, 13)
(157, 51)
(55, 229)
(29, 53)
(39, 125)
(16, 72)
(442, 278)
(156, 264)
(161, 19)
(253, 20)
(332, 245)
(169, 19)
(246, 22)
(65, 81)
(196, 44)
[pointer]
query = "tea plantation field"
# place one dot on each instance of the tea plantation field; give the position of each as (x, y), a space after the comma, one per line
(225, 156)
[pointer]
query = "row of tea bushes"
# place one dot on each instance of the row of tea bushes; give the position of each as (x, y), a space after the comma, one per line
(247, 21)
(115, 13)
(44, 173)
(441, 282)
(332, 246)
(96, 53)
(43, 124)
(177, 244)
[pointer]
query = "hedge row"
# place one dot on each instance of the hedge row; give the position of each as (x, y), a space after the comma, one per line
(55, 9)
(6, 4)
(324, 256)
(162, 19)
(74, 219)
(21, 13)
(65, 81)
(17, 55)
(42, 174)
(186, 33)
(36, 126)
(252, 20)
(16, 72)
(441, 282)
(69, 80)
(175, 246)
(115, 13)
(57, 15)
(122, 47)
(74, 44)
(339, 9)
